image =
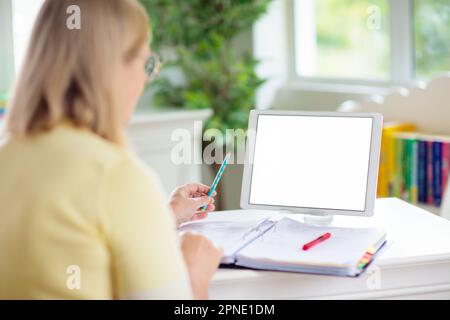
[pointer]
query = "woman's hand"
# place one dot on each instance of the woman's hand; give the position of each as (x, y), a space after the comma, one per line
(202, 259)
(186, 202)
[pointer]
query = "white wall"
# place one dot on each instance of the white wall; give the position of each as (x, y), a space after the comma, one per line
(293, 96)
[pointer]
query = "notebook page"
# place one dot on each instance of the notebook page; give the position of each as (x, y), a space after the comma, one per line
(282, 245)
(229, 235)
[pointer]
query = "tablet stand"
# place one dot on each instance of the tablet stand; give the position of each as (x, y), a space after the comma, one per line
(318, 219)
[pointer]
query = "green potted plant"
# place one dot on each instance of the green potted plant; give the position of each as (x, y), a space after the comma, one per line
(195, 39)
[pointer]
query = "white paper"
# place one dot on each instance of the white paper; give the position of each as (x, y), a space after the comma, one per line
(282, 245)
(231, 236)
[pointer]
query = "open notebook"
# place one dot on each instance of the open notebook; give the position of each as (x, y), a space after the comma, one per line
(277, 245)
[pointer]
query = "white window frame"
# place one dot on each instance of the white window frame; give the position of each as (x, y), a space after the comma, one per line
(401, 54)
(6, 46)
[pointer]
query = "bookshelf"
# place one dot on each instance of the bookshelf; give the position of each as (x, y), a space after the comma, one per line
(413, 166)
(3, 100)
(424, 105)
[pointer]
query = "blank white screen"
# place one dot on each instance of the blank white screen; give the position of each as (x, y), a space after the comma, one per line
(311, 162)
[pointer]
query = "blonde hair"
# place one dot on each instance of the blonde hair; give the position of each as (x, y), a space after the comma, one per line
(72, 74)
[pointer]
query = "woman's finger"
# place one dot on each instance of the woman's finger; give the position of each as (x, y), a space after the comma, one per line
(202, 201)
(200, 216)
(209, 209)
(194, 188)
(196, 195)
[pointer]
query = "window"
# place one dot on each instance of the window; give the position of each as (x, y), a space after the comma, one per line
(431, 36)
(342, 38)
(24, 15)
(378, 41)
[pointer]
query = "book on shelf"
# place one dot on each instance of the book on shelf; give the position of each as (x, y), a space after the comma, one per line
(422, 167)
(388, 160)
(3, 101)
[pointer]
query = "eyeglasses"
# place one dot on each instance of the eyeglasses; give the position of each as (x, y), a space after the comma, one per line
(153, 66)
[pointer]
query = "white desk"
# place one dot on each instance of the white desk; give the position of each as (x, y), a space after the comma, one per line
(415, 265)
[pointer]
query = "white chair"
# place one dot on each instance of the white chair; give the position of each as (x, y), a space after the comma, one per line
(427, 105)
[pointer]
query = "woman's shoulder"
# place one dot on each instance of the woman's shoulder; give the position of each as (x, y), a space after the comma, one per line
(67, 148)
(115, 161)
(83, 144)
(68, 155)
(84, 147)
(87, 147)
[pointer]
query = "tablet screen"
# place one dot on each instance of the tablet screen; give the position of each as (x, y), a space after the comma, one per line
(319, 162)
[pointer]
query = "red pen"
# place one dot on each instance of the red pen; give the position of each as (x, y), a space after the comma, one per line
(317, 241)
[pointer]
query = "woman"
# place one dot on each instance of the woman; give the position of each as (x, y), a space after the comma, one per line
(80, 216)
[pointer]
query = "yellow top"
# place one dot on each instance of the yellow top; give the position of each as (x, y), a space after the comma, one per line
(81, 218)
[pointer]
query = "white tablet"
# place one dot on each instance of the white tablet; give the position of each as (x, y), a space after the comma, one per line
(312, 162)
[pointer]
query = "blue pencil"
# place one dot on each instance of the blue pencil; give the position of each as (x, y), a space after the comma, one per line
(217, 178)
